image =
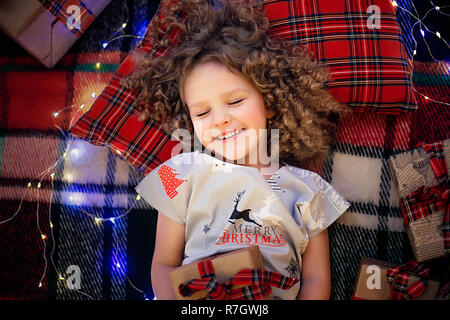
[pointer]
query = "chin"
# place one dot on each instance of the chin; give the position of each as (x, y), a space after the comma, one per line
(240, 157)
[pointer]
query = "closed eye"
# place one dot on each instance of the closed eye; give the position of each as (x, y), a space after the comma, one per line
(231, 103)
(202, 114)
(237, 101)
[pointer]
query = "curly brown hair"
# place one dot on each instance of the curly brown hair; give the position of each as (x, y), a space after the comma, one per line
(235, 34)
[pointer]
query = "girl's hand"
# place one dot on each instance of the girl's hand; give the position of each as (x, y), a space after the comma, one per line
(168, 254)
(316, 274)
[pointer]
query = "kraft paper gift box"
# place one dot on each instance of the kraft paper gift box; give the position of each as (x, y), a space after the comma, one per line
(372, 282)
(225, 267)
(419, 191)
(48, 31)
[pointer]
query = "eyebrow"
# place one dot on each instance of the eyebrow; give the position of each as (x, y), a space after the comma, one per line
(225, 94)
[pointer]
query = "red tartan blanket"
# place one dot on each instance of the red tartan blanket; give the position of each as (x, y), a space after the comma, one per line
(114, 256)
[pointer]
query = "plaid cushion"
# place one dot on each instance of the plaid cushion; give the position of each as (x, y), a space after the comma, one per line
(112, 121)
(368, 65)
(368, 68)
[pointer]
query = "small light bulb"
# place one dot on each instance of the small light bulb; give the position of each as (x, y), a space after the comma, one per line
(82, 106)
(40, 284)
(426, 98)
(105, 44)
(52, 176)
(438, 34)
(97, 220)
(394, 3)
(64, 154)
(437, 8)
(39, 185)
(112, 220)
(138, 197)
(29, 185)
(98, 65)
(43, 236)
(117, 265)
(55, 115)
(414, 52)
(75, 152)
(93, 94)
(422, 32)
(124, 25)
(51, 225)
(60, 277)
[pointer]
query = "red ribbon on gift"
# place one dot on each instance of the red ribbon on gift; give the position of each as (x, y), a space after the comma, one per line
(427, 201)
(258, 284)
(398, 278)
(74, 14)
(435, 152)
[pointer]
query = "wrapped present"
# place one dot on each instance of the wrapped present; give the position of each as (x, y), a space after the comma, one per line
(426, 216)
(412, 170)
(380, 280)
(48, 28)
(237, 275)
(422, 179)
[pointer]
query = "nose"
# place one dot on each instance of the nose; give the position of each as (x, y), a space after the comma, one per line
(221, 117)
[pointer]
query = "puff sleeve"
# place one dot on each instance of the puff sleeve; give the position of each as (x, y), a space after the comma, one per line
(166, 189)
(317, 204)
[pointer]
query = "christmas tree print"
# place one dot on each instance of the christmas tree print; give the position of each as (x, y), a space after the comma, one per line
(170, 183)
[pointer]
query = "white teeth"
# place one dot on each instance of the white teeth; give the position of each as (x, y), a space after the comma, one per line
(230, 134)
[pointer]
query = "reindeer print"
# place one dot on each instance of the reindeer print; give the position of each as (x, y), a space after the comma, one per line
(245, 214)
(265, 214)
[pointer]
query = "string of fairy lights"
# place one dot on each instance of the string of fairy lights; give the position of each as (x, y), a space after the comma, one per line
(50, 171)
(34, 187)
(419, 21)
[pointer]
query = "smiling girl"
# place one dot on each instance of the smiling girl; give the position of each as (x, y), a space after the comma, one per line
(230, 85)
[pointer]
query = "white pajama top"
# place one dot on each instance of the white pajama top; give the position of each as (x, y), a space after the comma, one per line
(225, 207)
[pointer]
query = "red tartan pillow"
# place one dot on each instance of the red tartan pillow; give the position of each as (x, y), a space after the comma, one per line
(112, 121)
(368, 67)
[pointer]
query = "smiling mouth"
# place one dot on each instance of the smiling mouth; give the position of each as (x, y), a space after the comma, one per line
(230, 135)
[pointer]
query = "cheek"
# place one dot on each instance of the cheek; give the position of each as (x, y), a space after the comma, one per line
(255, 116)
(202, 131)
(198, 129)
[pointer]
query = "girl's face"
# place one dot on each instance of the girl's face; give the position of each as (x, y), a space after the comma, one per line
(227, 112)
